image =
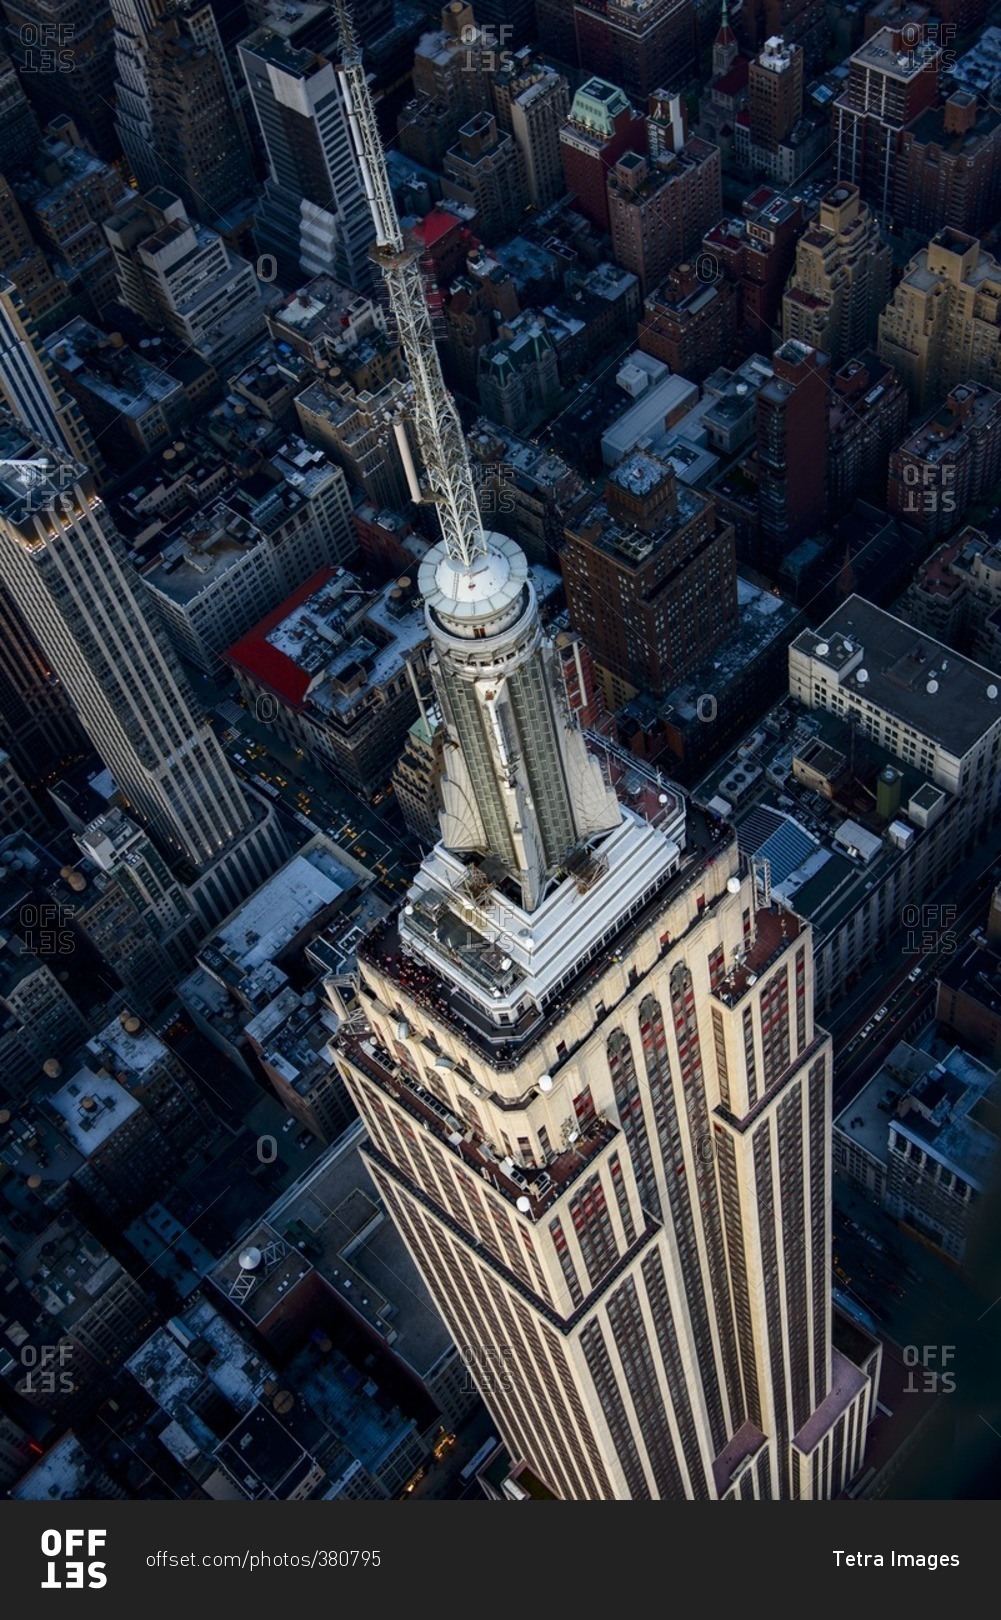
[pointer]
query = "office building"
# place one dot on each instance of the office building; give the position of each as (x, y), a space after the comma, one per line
(651, 579)
(656, 1350)
(452, 68)
(531, 101)
(20, 135)
(841, 279)
(601, 127)
(660, 206)
(928, 709)
(79, 32)
(214, 569)
(38, 727)
(518, 378)
(862, 789)
(331, 660)
(942, 325)
(639, 47)
(175, 104)
(954, 595)
(791, 449)
(67, 572)
(43, 291)
(950, 462)
(123, 901)
(181, 278)
(755, 252)
(968, 999)
(70, 198)
(921, 1141)
(486, 172)
(949, 167)
(416, 781)
(867, 416)
(774, 93)
(574, 1216)
(893, 78)
(313, 217)
(30, 388)
(688, 324)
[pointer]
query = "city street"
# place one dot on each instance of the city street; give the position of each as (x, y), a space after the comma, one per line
(903, 979)
(310, 796)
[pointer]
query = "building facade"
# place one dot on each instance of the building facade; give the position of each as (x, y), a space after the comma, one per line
(651, 1253)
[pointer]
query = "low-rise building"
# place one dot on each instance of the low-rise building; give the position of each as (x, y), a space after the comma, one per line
(331, 665)
(956, 594)
(921, 1139)
(215, 567)
(968, 1000)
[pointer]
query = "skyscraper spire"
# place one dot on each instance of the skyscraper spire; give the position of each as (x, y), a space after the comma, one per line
(519, 785)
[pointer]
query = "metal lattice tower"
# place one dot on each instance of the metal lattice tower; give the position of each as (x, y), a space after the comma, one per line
(439, 431)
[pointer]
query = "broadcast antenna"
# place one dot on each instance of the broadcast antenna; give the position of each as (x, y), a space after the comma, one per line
(448, 472)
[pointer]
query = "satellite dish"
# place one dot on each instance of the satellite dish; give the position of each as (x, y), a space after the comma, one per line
(53, 1068)
(862, 676)
(662, 798)
(525, 1205)
(822, 649)
(408, 909)
(932, 687)
(733, 885)
(250, 1259)
(992, 691)
(545, 1082)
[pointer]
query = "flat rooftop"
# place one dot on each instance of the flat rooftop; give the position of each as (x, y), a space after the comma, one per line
(950, 1106)
(910, 675)
(92, 1107)
(262, 928)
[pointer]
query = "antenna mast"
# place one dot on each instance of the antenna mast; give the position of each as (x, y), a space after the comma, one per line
(439, 430)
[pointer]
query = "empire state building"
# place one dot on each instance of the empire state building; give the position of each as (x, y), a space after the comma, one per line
(598, 1106)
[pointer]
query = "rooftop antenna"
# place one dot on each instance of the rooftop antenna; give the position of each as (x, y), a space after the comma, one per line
(449, 475)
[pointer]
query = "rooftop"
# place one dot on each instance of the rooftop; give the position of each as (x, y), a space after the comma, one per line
(887, 663)
(92, 1108)
(244, 950)
(331, 643)
(880, 53)
(950, 1106)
